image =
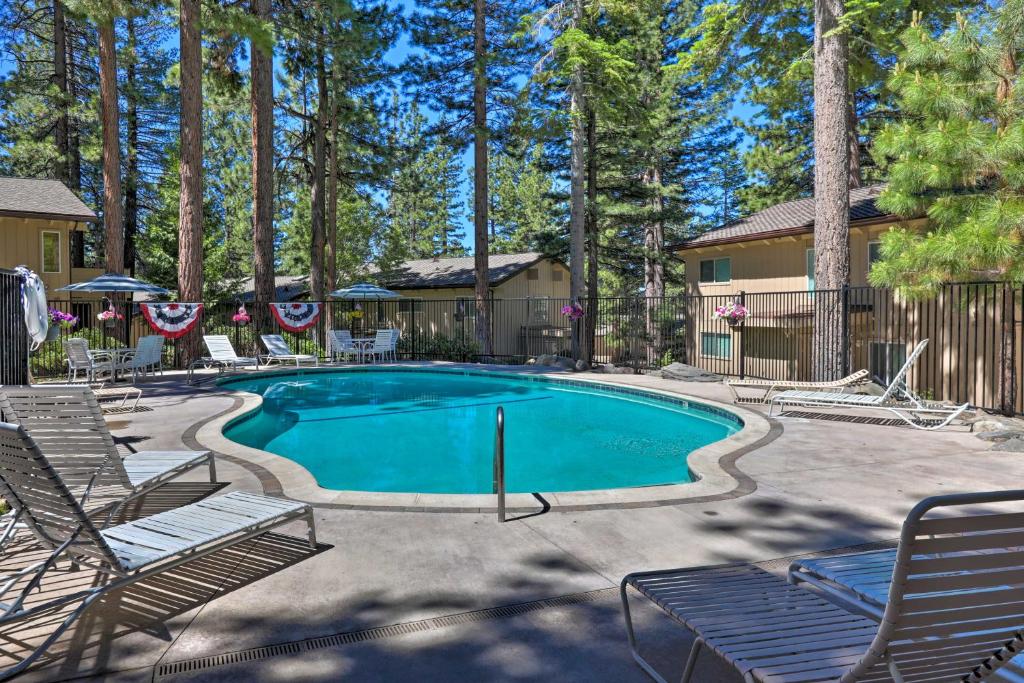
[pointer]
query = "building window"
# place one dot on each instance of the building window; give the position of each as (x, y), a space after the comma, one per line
(556, 275)
(887, 358)
(716, 344)
(532, 274)
(77, 249)
(716, 270)
(874, 253)
(810, 269)
(539, 311)
(465, 307)
(409, 305)
(51, 252)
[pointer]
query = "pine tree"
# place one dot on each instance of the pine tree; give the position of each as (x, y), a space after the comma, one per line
(955, 158)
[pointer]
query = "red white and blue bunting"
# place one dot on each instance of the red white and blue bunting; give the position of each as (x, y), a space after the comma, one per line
(171, 320)
(296, 317)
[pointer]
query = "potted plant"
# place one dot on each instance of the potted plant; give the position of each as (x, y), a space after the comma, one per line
(59, 320)
(109, 316)
(573, 311)
(242, 317)
(733, 313)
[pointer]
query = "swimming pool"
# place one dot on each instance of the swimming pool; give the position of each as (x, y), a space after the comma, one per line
(432, 431)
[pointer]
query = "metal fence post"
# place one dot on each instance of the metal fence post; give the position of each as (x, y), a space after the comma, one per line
(412, 315)
(743, 337)
(846, 329)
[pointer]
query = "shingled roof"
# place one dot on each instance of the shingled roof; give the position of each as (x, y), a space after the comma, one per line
(788, 218)
(455, 272)
(34, 198)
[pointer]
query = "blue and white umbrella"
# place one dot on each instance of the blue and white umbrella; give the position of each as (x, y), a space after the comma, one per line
(365, 292)
(113, 282)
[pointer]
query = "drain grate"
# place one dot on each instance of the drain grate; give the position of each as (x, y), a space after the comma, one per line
(350, 637)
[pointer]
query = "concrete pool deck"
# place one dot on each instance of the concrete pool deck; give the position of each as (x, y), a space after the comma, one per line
(394, 596)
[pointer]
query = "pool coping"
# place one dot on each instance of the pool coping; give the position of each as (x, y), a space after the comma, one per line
(714, 465)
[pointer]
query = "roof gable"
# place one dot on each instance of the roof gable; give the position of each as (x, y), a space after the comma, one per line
(47, 199)
(455, 272)
(788, 218)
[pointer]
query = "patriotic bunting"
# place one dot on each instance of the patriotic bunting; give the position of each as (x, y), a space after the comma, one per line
(296, 317)
(171, 320)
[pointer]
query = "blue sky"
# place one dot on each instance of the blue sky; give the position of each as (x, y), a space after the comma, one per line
(396, 56)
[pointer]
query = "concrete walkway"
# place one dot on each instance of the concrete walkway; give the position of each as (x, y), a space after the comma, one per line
(419, 588)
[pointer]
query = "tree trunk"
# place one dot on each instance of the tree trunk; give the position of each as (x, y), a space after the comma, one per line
(113, 222)
(481, 244)
(592, 246)
(654, 265)
(318, 233)
(190, 211)
(262, 110)
(856, 174)
(831, 188)
(577, 209)
(74, 171)
(60, 80)
(332, 196)
(131, 175)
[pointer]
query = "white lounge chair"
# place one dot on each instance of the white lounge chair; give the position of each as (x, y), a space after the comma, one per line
(81, 359)
(383, 346)
(952, 611)
(148, 357)
(341, 345)
(68, 422)
(222, 355)
(898, 400)
(125, 553)
(277, 350)
(772, 386)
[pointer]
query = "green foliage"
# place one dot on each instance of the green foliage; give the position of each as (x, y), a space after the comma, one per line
(440, 347)
(957, 157)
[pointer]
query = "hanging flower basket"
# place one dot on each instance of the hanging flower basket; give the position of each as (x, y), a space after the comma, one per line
(109, 317)
(52, 333)
(242, 317)
(733, 313)
(573, 311)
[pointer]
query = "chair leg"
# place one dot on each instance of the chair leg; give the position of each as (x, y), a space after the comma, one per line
(691, 661)
(213, 469)
(631, 636)
(311, 531)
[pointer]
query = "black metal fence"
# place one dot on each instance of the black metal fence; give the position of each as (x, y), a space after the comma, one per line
(974, 353)
(13, 333)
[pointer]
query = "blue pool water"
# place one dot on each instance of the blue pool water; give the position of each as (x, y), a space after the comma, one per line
(432, 431)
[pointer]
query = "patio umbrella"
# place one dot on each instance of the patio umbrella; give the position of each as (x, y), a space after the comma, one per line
(113, 282)
(365, 292)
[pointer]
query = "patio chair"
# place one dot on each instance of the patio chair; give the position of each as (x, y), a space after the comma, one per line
(112, 393)
(68, 422)
(898, 399)
(222, 355)
(396, 335)
(81, 359)
(771, 386)
(277, 350)
(953, 613)
(125, 553)
(148, 357)
(341, 344)
(383, 345)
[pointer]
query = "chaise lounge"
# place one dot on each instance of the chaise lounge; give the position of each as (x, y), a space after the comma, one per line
(952, 611)
(126, 552)
(898, 399)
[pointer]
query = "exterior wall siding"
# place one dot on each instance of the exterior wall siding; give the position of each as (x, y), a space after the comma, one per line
(778, 264)
(21, 244)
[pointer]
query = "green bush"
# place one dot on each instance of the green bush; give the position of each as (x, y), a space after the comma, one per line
(440, 347)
